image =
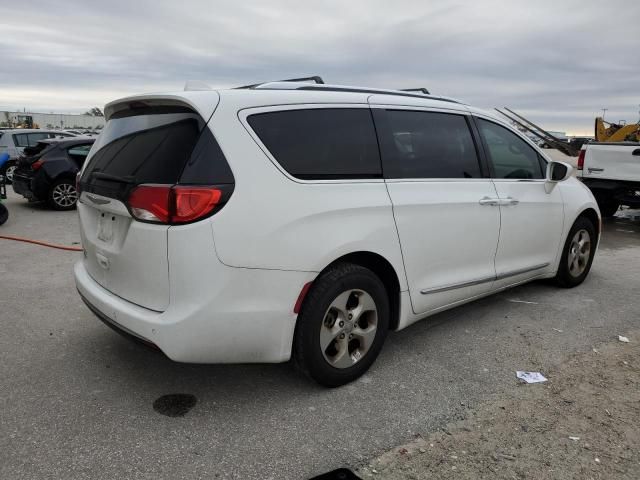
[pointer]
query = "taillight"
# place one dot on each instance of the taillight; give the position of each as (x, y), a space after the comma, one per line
(192, 203)
(150, 203)
(177, 204)
(581, 159)
(36, 165)
(78, 175)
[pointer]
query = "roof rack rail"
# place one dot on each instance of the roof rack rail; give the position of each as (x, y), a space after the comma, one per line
(315, 78)
(373, 91)
(420, 90)
(319, 85)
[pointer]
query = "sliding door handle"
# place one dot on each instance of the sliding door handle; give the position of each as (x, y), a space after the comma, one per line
(489, 201)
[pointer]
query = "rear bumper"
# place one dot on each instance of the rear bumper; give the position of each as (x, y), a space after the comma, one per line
(241, 316)
(117, 328)
(624, 192)
(22, 185)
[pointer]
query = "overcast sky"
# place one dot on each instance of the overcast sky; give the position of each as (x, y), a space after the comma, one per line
(558, 62)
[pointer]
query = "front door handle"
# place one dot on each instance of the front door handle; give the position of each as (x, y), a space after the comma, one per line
(509, 201)
(489, 201)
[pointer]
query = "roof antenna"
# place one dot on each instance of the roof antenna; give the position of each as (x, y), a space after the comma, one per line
(195, 85)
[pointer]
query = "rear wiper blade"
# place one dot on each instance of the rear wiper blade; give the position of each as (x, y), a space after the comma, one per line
(113, 178)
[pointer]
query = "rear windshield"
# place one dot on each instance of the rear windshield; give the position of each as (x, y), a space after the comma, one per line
(153, 148)
(36, 149)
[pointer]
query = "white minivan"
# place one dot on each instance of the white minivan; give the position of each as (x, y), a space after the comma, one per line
(304, 220)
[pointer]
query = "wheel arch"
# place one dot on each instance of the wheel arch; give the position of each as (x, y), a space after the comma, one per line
(385, 272)
(62, 175)
(592, 215)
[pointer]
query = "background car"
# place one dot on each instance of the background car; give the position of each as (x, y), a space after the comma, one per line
(48, 171)
(14, 142)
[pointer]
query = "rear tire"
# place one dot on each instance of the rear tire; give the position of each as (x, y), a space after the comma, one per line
(609, 208)
(577, 254)
(606, 203)
(63, 195)
(4, 214)
(342, 325)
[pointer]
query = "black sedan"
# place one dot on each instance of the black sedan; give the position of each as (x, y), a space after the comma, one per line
(47, 171)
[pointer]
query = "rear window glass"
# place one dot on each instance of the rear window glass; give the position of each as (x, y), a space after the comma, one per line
(36, 149)
(159, 147)
(155, 154)
(329, 143)
(418, 144)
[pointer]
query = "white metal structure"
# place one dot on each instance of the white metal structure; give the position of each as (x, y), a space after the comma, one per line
(271, 255)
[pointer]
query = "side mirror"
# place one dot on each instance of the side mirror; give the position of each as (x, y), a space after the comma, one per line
(558, 171)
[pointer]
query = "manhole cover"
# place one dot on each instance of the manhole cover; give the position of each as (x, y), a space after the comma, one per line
(175, 404)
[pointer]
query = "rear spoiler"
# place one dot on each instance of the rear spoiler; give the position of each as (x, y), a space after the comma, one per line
(202, 102)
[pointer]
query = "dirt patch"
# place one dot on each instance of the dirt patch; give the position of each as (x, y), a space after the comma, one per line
(584, 423)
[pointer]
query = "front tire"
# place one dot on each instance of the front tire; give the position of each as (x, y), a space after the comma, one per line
(577, 254)
(63, 195)
(342, 325)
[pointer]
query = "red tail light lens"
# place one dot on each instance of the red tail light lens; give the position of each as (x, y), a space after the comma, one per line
(150, 203)
(192, 203)
(36, 165)
(167, 204)
(581, 159)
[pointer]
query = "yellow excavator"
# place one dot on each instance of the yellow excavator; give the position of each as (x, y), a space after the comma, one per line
(616, 132)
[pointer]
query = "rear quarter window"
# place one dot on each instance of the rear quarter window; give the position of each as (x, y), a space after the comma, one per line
(321, 143)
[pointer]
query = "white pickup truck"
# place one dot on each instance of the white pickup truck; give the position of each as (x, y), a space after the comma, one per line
(612, 173)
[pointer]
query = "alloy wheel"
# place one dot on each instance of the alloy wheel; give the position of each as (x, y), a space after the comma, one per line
(8, 174)
(579, 252)
(349, 328)
(64, 195)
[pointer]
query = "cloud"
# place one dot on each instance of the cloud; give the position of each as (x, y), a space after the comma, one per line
(560, 63)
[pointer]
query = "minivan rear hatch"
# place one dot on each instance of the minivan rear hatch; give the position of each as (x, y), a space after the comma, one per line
(144, 143)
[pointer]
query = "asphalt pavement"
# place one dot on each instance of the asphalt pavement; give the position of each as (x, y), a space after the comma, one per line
(76, 399)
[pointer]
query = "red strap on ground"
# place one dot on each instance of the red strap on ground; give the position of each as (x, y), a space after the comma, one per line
(44, 244)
